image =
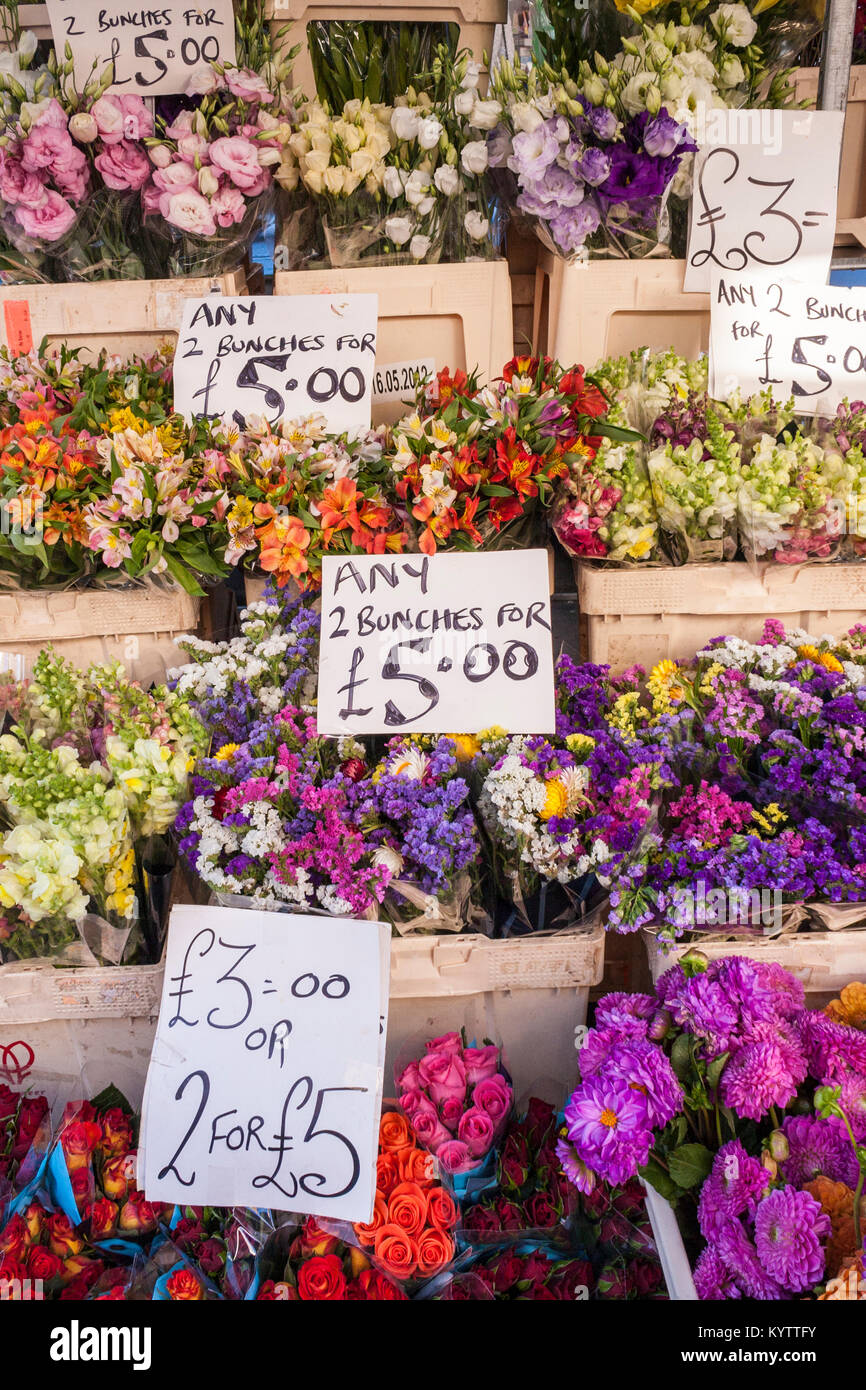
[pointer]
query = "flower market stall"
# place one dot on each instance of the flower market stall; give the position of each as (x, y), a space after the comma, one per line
(432, 736)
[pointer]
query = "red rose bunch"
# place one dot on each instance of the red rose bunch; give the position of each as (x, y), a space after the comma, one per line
(99, 1149)
(322, 1268)
(531, 1191)
(21, 1119)
(222, 1243)
(40, 1244)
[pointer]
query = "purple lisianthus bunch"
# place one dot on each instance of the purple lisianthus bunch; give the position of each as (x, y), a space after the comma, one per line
(576, 173)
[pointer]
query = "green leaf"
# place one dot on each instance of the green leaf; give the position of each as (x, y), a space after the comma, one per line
(681, 1056)
(715, 1069)
(182, 575)
(494, 490)
(111, 1098)
(617, 432)
(690, 1164)
(653, 1173)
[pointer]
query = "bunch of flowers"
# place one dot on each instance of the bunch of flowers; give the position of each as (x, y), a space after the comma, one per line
(457, 1100)
(787, 503)
(519, 1274)
(300, 493)
(44, 176)
(530, 1193)
(646, 384)
(103, 393)
(222, 1244)
(319, 1267)
(134, 502)
(604, 509)
(94, 766)
(474, 469)
(615, 1226)
(690, 1087)
(401, 182)
(23, 1118)
(591, 175)
(288, 818)
(213, 165)
(695, 474)
(410, 1237)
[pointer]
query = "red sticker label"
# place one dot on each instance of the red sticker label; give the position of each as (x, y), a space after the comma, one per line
(19, 330)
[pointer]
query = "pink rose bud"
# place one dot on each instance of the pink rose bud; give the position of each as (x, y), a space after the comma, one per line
(409, 1078)
(450, 1112)
(429, 1130)
(477, 1131)
(454, 1157)
(444, 1076)
(494, 1097)
(449, 1042)
(480, 1063)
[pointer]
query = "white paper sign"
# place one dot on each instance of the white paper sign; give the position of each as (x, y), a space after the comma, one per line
(430, 643)
(766, 198)
(280, 357)
(396, 381)
(265, 1080)
(155, 50)
(805, 340)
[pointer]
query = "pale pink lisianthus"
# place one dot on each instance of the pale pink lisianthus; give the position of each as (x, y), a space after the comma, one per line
(175, 176)
(239, 158)
(228, 206)
(123, 166)
(188, 211)
(51, 220)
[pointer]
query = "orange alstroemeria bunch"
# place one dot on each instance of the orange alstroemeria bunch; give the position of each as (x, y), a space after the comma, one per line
(46, 479)
(409, 1236)
(475, 468)
(300, 494)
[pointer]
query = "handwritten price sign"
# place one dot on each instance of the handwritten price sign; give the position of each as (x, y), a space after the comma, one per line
(154, 51)
(456, 642)
(767, 203)
(280, 358)
(802, 340)
(265, 1081)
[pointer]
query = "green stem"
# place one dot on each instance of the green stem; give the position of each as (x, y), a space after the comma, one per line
(858, 1234)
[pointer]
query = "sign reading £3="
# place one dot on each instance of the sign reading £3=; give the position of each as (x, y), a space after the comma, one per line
(278, 358)
(423, 643)
(154, 49)
(764, 195)
(265, 1081)
(797, 339)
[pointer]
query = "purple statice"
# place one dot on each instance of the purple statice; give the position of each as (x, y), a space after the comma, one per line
(608, 1123)
(833, 1050)
(789, 1229)
(733, 1189)
(761, 1075)
(817, 1147)
(713, 1280)
(630, 1013)
(741, 1258)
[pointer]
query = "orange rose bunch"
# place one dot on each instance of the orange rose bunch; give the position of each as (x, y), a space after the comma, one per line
(39, 1244)
(322, 1268)
(409, 1235)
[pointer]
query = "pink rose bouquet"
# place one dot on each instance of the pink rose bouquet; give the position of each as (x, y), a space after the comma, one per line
(458, 1099)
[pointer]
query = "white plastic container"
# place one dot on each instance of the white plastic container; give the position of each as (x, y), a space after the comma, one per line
(72, 1032)
(825, 961)
(136, 626)
(669, 1243)
(596, 309)
(477, 20)
(127, 317)
(529, 993)
(457, 315)
(647, 615)
(851, 202)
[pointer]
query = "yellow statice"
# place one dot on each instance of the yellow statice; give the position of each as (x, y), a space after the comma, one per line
(769, 819)
(707, 686)
(626, 712)
(581, 745)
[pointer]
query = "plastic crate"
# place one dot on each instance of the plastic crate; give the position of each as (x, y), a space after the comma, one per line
(851, 203)
(529, 993)
(73, 1032)
(477, 20)
(646, 615)
(135, 625)
(124, 316)
(825, 961)
(459, 315)
(32, 17)
(595, 309)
